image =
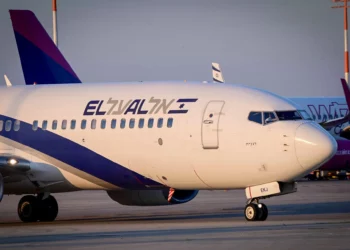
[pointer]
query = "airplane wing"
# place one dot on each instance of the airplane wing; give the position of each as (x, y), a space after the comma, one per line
(335, 122)
(7, 81)
(11, 164)
(12, 169)
(217, 74)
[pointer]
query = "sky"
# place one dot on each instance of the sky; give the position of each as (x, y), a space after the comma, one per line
(292, 48)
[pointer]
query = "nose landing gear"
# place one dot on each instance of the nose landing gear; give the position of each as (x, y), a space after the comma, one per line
(255, 211)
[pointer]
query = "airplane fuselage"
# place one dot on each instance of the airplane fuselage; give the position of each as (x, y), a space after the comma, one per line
(146, 135)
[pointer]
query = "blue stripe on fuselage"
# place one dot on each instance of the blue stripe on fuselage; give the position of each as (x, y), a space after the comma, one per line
(76, 156)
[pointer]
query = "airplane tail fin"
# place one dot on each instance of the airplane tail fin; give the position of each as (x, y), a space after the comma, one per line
(217, 74)
(335, 122)
(346, 91)
(42, 62)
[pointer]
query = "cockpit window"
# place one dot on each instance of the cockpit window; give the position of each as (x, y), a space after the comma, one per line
(269, 117)
(288, 115)
(305, 115)
(255, 117)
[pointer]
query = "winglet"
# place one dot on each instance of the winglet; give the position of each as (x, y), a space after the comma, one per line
(42, 62)
(7, 81)
(217, 74)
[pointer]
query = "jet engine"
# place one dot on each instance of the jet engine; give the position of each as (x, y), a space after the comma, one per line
(151, 197)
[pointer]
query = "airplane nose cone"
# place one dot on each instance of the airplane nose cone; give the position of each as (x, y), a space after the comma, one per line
(313, 145)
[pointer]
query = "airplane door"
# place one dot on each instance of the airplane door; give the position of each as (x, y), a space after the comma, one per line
(210, 124)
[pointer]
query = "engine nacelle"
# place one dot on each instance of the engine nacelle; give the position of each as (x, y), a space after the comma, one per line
(151, 197)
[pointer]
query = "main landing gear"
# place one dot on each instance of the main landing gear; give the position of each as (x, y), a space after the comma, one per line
(35, 208)
(256, 211)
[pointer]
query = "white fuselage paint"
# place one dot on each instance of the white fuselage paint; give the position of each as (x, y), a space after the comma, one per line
(248, 153)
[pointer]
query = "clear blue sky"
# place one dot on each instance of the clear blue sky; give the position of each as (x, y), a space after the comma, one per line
(293, 48)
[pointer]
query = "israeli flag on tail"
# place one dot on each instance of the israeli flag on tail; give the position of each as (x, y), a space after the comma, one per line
(217, 74)
(7, 81)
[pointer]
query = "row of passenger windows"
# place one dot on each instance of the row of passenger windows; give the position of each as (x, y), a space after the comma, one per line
(8, 125)
(93, 124)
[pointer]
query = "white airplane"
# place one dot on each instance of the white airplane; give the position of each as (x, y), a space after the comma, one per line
(149, 137)
(150, 143)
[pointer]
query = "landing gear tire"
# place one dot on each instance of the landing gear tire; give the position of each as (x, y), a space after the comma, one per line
(263, 212)
(28, 208)
(251, 212)
(256, 212)
(32, 209)
(48, 209)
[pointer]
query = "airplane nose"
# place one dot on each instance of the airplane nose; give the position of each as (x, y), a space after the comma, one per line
(313, 145)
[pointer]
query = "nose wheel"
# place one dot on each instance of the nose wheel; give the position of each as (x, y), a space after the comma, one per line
(256, 212)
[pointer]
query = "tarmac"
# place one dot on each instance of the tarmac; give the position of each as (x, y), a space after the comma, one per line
(316, 217)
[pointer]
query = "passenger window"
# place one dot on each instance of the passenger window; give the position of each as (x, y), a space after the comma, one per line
(103, 123)
(72, 124)
(83, 124)
(113, 123)
(141, 122)
(1, 125)
(8, 125)
(93, 124)
(255, 117)
(64, 124)
(160, 123)
(44, 125)
(150, 122)
(35, 126)
(132, 123)
(122, 123)
(16, 125)
(54, 124)
(170, 122)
